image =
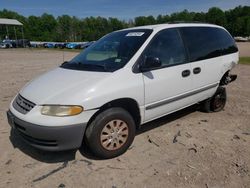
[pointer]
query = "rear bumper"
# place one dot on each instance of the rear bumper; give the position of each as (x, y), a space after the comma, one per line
(48, 138)
(233, 77)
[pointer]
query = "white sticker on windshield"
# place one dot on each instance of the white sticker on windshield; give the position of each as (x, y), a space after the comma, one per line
(118, 60)
(135, 34)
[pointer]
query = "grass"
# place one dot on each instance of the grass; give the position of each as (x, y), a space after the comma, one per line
(245, 60)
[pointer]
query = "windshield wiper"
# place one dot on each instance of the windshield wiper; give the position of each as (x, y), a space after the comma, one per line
(65, 62)
(94, 65)
(84, 66)
(88, 65)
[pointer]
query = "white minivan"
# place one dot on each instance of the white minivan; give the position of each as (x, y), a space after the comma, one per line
(125, 79)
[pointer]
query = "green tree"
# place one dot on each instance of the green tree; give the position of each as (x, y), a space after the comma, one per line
(65, 27)
(162, 19)
(199, 17)
(48, 27)
(216, 16)
(182, 16)
(144, 20)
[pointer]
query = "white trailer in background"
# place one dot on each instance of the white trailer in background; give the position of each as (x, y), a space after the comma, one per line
(14, 23)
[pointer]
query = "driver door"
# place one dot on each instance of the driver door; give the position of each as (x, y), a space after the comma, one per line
(167, 87)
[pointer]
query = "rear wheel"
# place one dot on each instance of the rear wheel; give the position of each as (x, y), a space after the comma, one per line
(217, 102)
(110, 133)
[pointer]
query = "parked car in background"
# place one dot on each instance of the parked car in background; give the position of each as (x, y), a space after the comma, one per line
(36, 44)
(23, 43)
(86, 44)
(49, 45)
(6, 44)
(73, 45)
(62, 46)
(241, 39)
(58, 45)
(79, 45)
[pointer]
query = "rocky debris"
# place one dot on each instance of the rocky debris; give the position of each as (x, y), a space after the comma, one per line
(236, 137)
(204, 120)
(189, 166)
(29, 165)
(61, 185)
(241, 168)
(152, 142)
(87, 162)
(116, 168)
(8, 162)
(192, 149)
(246, 133)
(175, 136)
(188, 135)
(64, 165)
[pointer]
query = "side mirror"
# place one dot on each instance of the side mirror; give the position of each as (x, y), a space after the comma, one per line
(150, 63)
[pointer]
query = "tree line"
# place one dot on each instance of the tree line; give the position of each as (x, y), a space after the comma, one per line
(70, 28)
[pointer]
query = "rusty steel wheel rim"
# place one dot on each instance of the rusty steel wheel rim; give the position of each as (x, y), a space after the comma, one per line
(219, 101)
(114, 135)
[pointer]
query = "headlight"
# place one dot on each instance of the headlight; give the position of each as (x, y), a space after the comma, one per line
(58, 110)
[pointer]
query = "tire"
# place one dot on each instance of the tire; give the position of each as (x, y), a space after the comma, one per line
(111, 133)
(205, 105)
(217, 102)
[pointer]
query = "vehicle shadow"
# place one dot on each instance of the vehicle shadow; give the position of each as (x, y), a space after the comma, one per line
(166, 119)
(149, 126)
(64, 156)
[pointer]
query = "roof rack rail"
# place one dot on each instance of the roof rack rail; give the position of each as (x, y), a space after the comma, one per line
(180, 22)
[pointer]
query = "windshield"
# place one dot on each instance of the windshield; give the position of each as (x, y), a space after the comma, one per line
(111, 52)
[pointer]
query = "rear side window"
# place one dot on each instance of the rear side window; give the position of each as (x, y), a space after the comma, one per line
(167, 45)
(207, 42)
(227, 43)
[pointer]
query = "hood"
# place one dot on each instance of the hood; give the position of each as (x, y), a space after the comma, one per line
(61, 86)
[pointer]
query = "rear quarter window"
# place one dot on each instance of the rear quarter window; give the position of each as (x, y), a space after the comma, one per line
(227, 42)
(207, 42)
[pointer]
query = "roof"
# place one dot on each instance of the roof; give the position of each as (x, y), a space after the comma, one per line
(5, 21)
(173, 25)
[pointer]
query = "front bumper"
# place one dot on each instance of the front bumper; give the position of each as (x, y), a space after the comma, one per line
(48, 138)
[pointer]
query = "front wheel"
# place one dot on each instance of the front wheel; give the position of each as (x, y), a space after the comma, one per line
(110, 133)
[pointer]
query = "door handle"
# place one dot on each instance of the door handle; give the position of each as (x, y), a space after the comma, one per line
(196, 70)
(185, 73)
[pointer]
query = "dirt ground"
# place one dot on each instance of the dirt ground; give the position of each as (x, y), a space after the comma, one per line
(244, 48)
(211, 149)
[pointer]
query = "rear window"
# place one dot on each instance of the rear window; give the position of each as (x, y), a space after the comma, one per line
(207, 42)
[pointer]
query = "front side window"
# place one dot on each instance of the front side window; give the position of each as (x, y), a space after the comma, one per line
(167, 45)
(111, 52)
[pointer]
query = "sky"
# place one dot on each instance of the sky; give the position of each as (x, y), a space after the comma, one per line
(123, 9)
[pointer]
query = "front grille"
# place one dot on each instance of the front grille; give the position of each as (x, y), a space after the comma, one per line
(23, 105)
